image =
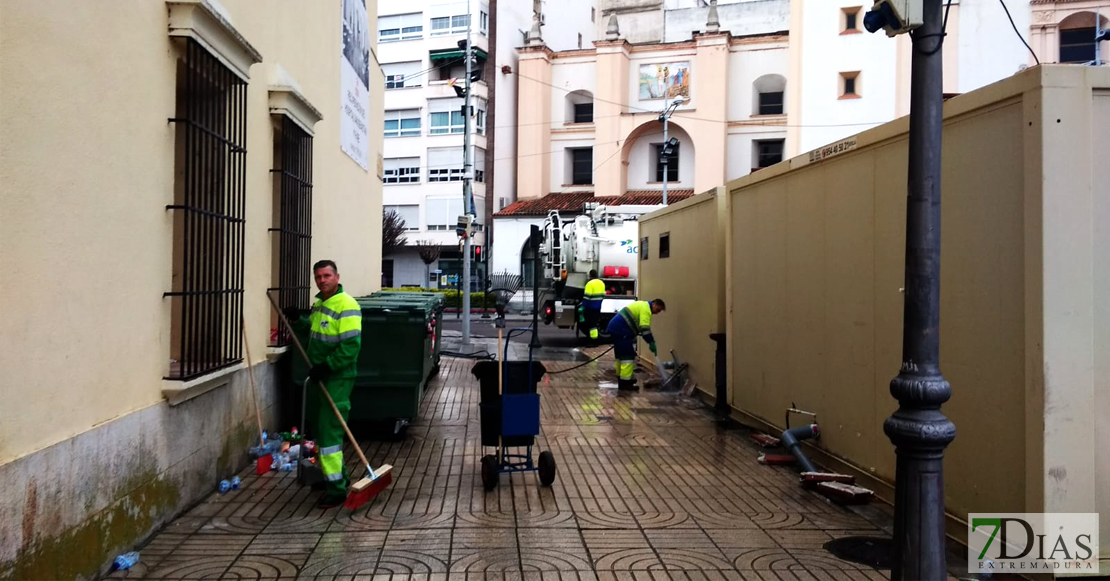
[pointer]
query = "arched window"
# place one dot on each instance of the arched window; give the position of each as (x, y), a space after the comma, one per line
(580, 107)
(1077, 37)
(527, 265)
(769, 95)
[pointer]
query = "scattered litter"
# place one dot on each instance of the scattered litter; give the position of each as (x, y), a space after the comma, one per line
(775, 459)
(235, 482)
(125, 561)
(809, 478)
(224, 486)
(846, 493)
(765, 440)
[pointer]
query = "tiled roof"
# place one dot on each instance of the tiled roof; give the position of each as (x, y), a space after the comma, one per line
(573, 202)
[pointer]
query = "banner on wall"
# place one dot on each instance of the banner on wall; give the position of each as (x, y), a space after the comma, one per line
(355, 92)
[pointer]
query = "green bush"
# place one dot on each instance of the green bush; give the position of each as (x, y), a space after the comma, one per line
(452, 297)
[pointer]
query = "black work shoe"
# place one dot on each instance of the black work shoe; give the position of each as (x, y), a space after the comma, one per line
(626, 385)
(330, 501)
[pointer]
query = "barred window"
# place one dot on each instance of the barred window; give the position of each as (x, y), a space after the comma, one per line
(208, 219)
(292, 222)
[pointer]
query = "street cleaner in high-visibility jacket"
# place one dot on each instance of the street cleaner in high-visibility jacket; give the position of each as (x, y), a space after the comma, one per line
(632, 322)
(335, 329)
(593, 294)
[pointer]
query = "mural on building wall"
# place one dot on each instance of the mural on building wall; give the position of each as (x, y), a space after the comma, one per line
(658, 77)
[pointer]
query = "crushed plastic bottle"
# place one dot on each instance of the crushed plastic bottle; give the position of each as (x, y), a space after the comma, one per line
(125, 561)
(224, 486)
(294, 453)
(235, 482)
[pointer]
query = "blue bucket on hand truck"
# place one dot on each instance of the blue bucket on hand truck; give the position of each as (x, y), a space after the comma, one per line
(510, 417)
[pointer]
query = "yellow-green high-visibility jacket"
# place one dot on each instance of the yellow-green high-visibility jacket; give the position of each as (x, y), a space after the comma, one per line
(335, 334)
(638, 317)
(594, 293)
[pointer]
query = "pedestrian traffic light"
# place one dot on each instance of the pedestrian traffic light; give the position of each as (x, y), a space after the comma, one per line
(477, 254)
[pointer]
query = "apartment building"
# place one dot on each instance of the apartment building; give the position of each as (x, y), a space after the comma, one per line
(422, 60)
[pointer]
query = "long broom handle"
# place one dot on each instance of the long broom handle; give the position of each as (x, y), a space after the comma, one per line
(338, 415)
(250, 371)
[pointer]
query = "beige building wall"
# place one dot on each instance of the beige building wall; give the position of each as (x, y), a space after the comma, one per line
(817, 273)
(92, 453)
(690, 280)
(813, 278)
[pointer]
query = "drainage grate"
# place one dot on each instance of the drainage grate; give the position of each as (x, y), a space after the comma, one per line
(875, 552)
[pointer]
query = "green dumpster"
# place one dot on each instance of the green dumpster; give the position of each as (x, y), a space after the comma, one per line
(400, 352)
(433, 302)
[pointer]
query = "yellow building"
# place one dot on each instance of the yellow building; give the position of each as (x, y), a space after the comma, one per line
(163, 165)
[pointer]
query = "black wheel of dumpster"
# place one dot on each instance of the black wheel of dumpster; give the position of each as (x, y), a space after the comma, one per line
(435, 371)
(547, 468)
(489, 472)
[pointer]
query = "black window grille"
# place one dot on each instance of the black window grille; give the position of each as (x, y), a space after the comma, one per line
(209, 202)
(672, 164)
(1077, 45)
(769, 152)
(770, 103)
(293, 223)
(582, 166)
(584, 113)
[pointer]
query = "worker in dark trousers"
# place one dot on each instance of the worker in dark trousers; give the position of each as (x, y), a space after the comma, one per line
(335, 326)
(591, 304)
(632, 322)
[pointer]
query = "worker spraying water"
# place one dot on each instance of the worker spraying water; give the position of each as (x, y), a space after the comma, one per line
(630, 323)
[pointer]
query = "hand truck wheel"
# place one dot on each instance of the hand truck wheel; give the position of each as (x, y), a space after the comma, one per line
(547, 468)
(489, 472)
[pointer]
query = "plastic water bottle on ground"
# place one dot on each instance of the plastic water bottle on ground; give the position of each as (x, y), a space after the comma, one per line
(125, 561)
(235, 482)
(224, 486)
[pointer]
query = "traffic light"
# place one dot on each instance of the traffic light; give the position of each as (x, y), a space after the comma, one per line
(478, 255)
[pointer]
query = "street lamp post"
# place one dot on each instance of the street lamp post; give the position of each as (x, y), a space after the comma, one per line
(918, 429)
(668, 147)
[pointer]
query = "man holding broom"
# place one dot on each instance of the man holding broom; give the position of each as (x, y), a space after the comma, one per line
(335, 327)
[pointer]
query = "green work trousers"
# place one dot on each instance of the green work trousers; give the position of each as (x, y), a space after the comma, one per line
(329, 432)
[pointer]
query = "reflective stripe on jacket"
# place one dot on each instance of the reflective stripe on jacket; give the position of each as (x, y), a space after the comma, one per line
(594, 293)
(335, 333)
(638, 317)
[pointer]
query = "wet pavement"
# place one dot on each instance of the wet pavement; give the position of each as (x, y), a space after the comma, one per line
(650, 486)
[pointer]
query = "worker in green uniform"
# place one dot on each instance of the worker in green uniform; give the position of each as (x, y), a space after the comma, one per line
(593, 294)
(631, 323)
(335, 329)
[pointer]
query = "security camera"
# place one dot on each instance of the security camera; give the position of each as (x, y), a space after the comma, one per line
(894, 16)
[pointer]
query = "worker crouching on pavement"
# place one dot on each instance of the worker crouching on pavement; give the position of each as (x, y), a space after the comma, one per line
(630, 323)
(593, 294)
(335, 327)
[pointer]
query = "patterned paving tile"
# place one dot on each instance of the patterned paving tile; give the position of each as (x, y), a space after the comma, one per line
(649, 488)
